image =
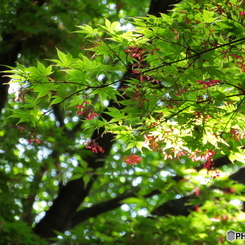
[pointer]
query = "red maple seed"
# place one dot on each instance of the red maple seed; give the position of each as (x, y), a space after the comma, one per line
(95, 148)
(133, 159)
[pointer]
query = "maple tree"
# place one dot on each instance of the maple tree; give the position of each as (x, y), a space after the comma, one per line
(148, 119)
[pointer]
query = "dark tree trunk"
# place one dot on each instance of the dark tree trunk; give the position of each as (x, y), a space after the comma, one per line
(9, 50)
(10, 47)
(161, 6)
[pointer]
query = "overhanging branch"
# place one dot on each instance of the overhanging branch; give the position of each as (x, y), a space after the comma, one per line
(173, 207)
(178, 206)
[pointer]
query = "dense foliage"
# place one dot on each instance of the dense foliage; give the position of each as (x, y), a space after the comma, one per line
(132, 140)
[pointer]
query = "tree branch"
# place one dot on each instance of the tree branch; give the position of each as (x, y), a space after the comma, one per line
(99, 208)
(116, 202)
(178, 206)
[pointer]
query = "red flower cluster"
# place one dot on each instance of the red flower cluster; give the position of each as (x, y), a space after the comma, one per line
(34, 140)
(209, 83)
(207, 157)
(91, 115)
(235, 134)
(153, 142)
(80, 107)
(95, 148)
(240, 59)
(139, 97)
(197, 192)
(87, 112)
(240, 63)
(228, 190)
(216, 174)
(133, 159)
(135, 52)
(180, 92)
(29, 134)
(200, 156)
